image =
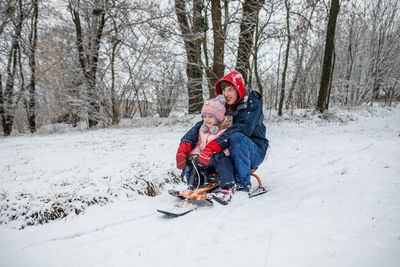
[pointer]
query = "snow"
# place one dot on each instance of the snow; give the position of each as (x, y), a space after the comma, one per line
(334, 198)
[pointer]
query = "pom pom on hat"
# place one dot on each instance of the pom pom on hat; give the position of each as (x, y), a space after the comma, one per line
(215, 107)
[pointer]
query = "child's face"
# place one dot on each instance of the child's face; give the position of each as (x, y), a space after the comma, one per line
(209, 120)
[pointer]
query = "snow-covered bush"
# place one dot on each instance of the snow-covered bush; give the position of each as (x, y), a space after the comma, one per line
(25, 207)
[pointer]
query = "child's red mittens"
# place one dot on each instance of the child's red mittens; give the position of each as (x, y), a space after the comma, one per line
(182, 154)
(208, 152)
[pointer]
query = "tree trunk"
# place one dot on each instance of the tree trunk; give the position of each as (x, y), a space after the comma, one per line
(218, 67)
(257, 76)
(350, 64)
(296, 75)
(247, 27)
(192, 39)
(98, 22)
(323, 96)
(289, 39)
(8, 105)
(304, 43)
(114, 100)
(255, 60)
(278, 73)
(32, 63)
(330, 80)
(88, 59)
(2, 115)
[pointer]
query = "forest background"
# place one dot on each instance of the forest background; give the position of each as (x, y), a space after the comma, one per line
(97, 62)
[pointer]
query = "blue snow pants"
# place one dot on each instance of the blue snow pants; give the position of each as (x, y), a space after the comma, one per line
(245, 156)
(224, 169)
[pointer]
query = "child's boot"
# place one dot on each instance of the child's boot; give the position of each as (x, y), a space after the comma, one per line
(224, 196)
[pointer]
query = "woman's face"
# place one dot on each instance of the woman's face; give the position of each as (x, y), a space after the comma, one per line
(231, 94)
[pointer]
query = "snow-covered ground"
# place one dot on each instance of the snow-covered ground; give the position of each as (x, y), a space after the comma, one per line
(334, 198)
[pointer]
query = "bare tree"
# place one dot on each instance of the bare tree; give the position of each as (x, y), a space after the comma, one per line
(192, 34)
(250, 13)
(118, 17)
(351, 50)
(261, 37)
(218, 67)
(33, 37)
(384, 45)
(60, 90)
(167, 87)
(88, 49)
(327, 66)
(300, 48)
(7, 100)
(285, 65)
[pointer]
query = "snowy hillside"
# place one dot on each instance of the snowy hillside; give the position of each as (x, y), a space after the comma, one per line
(334, 198)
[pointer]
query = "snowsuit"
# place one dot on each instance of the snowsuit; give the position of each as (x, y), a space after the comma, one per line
(246, 138)
(221, 163)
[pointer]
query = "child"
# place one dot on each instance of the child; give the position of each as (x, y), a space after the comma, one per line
(214, 124)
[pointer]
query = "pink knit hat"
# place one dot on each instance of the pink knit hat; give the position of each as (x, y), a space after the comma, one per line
(215, 107)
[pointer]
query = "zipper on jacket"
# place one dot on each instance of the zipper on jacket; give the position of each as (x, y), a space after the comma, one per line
(229, 110)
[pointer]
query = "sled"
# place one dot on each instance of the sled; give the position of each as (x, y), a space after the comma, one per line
(194, 198)
(260, 188)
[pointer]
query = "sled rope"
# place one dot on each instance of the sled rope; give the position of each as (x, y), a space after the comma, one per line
(198, 174)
